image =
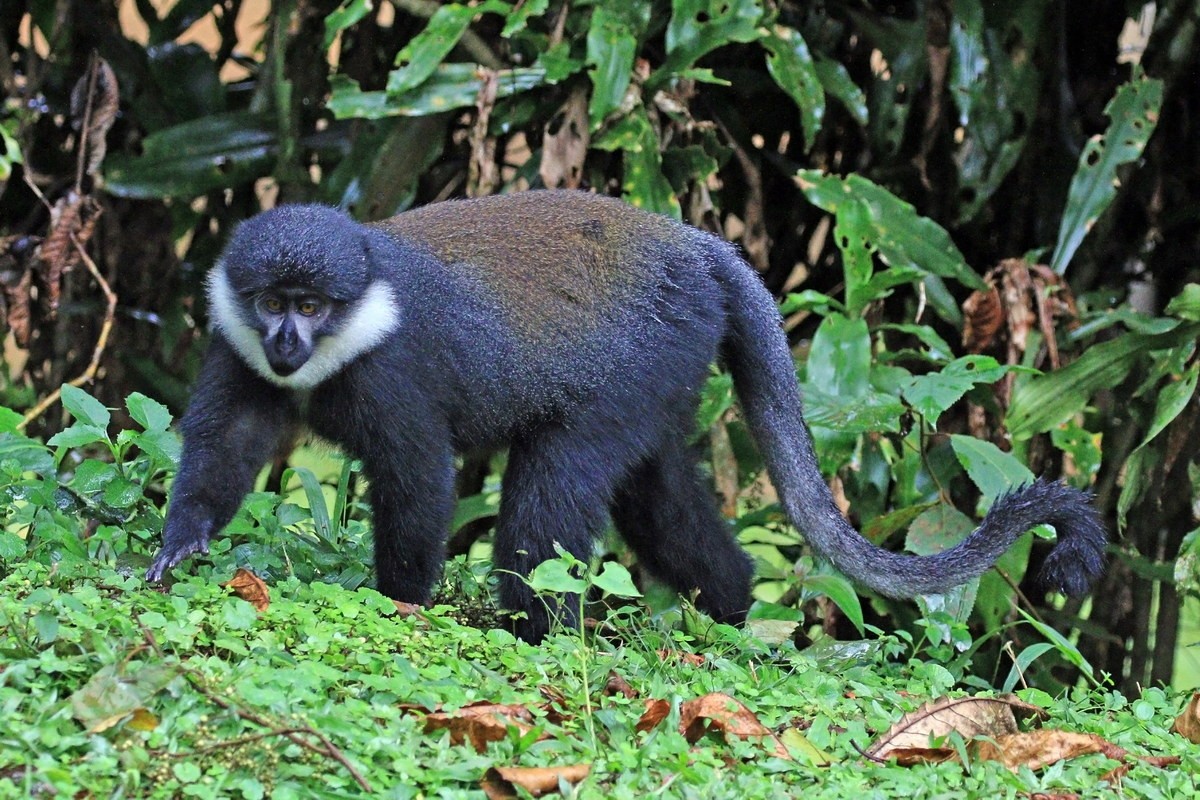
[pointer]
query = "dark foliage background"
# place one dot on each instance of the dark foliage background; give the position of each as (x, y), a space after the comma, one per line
(976, 113)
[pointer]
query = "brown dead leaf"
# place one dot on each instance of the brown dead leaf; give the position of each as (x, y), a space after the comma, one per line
(499, 782)
(17, 293)
(1114, 776)
(693, 659)
(95, 100)
(251, 588)
(968, 716)
(618, 685)
(720, 712)
(656, 711)
(72, 220)
(1187, 724)
(912, 756)
(407, 608)
(1041, 748)
(1020, 297)
(480, 723)
(565, 143)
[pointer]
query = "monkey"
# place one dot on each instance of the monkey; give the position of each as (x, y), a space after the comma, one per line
(576, 331)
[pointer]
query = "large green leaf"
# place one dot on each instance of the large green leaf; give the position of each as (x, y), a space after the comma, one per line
(612, 43)
(995, 84)
(837, 82)
(1042, 403)
(643, 183)
(791, 65)
(992, 470)
(1134, 114)
(450, 86)
(933, 393)
(698, 27)
(418, 59)
(902, 237)
(188, 160)
(892, 84)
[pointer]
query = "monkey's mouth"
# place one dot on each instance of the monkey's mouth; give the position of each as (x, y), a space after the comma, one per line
(285, 364)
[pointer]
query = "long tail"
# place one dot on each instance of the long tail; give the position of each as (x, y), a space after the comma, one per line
(757, 354)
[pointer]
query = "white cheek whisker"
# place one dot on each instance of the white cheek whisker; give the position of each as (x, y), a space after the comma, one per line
(372, 318)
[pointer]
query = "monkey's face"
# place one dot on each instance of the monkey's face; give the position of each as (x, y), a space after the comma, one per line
(291, 319)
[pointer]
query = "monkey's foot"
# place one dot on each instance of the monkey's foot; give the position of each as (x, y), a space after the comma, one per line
(171, 555)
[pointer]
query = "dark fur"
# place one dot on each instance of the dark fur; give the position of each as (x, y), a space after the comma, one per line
(577, 331)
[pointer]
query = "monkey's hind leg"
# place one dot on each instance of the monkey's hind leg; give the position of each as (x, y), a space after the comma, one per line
(557, 489)
(667, 513)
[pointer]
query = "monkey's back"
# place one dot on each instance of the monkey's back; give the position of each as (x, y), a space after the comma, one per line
(598, 304)
(559, 263)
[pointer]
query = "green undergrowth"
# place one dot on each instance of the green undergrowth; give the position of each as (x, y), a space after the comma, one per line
(112, 688)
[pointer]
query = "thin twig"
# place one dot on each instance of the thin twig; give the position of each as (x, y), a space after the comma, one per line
(110, 311)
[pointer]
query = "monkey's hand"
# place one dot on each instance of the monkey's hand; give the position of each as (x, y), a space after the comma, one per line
(174, 550)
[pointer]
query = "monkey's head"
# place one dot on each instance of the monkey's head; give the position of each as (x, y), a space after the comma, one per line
(295, 295)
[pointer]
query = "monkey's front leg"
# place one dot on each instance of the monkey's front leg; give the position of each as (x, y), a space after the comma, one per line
(234, 424)
(412, 504)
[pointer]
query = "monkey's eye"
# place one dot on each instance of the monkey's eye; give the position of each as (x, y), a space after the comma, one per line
(308, 307)
(273, 304)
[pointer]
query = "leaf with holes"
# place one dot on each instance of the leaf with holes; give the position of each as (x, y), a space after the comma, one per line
(1134, 114)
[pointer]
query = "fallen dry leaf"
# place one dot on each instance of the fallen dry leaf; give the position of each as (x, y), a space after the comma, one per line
(499, 782)
(678, 655)
(407, 608)
(618, 685)
(1187, 724)
(251, 588)
(656, 711)
(480, 723)
(721, 712)
(1041, 748)
(968, 716)
(565, 143)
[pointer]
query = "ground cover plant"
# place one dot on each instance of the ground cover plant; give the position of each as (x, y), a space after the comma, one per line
(979, 220)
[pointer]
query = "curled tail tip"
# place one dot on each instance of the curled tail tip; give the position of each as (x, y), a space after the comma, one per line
(1078, 558)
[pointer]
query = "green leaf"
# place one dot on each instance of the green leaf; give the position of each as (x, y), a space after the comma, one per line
(614, 579)
(84, 407)
(791, 65)
(555, 576)
(839, 361)
(10, 420)
(418, 59)
(1173, 398)
(477, 506)
(698, 27)
(853, 236)
(78, 435)
(451, 86)
(345, 15)
(841, 592)
(869, 412)
(92, 476)
(1134, 114)
(612, 43)
(1047, 401)
(992, 470)
(933, 393)
(902, 237)
(1186, 304)
(837, 83)
(996, 87)
(214, 152)
(12, 547)
(316, 499)
(147, 412)
(519, 17)
(644, 184)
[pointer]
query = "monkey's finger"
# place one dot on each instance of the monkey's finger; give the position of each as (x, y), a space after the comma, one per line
(168, 558)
